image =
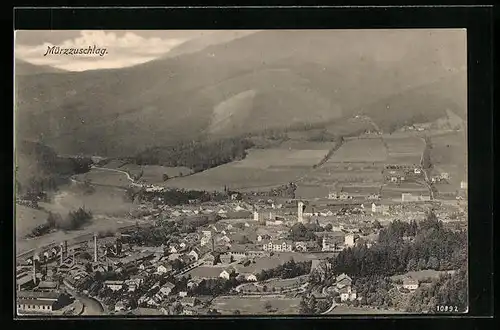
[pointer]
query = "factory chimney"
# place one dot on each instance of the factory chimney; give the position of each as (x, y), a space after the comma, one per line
(65, 248)
(34, 269)
(61, 252)
(95, 247)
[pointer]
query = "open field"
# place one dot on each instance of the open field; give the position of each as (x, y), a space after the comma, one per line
(347, 310)
(250, 305)
(28, 218)
(449, 155)
(265, 158)
(360, 150)
(153, 174)
(404, 145)
(420, 275)
(104, 177)
(307, 191)
(114, 164)
(133, 169)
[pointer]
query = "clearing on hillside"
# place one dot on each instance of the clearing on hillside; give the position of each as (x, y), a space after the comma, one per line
(360, 150)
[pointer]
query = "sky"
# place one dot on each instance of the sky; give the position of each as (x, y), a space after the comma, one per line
(127, 48)
(124, 48)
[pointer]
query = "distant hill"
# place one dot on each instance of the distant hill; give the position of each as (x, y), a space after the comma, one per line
(25, 68)
(269, 79)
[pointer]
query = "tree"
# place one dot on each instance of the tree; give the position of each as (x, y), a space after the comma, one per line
(433, 263)
(165, 177)
(421, 264)
(328, 227)
(412, 265)
(377, 225)
(237, 312)
(264, 288)
(268, 306)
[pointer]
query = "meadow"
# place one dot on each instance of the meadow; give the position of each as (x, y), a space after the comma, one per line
(360, 150)
(105, 178)
(449, 154)
(262, 169)
(256, 305)
(421, 275)
(27, 218)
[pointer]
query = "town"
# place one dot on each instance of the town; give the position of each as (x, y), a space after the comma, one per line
(208, 258)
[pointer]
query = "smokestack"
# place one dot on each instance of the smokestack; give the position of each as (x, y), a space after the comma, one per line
(65, 247)
(34, 269)
(95, 247)
(62, 252)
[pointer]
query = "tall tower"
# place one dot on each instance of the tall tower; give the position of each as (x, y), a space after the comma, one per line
(255, 216)
(95, 247)
(300, 210)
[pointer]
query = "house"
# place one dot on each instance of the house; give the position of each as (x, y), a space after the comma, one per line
(166, 288)
(194, 254)
(132, 285)
(301, 246)
(343, 281)
(247, 277)
(224, 239)
(350, 240)
(187, 259)
(47, 286)
(174, 248)
(278, 246)
(410, 284)
(183, 294)
(347, 294)
(227, 273)
(209, 260)
(121, 305)
(225, 258)
(164, 267)
(182, 245)
(114, 285)
(192, 283)
(189, 301)
(44, 302)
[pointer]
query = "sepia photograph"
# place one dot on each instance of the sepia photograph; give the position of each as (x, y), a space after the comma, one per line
(240, 172)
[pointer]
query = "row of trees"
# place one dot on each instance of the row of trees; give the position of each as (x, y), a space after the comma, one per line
(196, 155)
(289, 269)
(74, 220)
(174, 197)
(432, 247)
(309, 305)
(448, 291)
(168, 231)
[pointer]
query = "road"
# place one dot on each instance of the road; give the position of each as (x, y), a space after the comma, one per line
(114, 170)
(90, 305)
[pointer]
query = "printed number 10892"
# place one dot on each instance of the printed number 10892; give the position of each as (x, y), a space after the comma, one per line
(447, 309)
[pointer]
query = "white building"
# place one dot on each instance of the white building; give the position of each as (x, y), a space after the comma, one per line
(350, 240)
(410, 284)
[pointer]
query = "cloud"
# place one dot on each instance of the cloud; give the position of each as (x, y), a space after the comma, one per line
(126, 50)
